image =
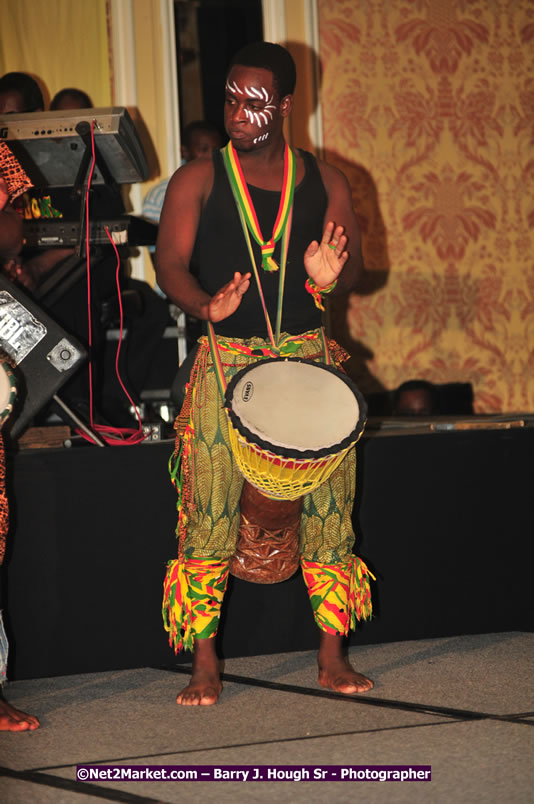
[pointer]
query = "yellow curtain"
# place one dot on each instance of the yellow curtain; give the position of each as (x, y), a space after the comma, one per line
(428, 110)
(62, 43)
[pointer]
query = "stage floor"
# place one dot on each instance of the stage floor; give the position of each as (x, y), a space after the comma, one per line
(463, 705)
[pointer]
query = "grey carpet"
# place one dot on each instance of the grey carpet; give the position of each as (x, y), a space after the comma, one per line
(463, 705)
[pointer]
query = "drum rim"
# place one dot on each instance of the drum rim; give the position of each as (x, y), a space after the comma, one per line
(286, 452)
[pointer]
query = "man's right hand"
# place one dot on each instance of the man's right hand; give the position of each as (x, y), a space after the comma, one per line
(227, 299)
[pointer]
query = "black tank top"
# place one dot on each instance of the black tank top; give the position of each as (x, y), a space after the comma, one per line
(220, 250)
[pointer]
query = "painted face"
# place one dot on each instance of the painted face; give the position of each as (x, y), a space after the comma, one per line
(252, 110)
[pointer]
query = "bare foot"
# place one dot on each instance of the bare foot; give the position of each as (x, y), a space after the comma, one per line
(335, 671)
(12, 719)
(205, 685)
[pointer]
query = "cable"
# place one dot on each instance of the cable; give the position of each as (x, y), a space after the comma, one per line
(113, 436)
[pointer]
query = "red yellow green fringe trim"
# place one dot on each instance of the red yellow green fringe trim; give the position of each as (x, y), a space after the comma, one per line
(244, 201)
(339, 594)
(318, 292)
(181, 463)
(193, 591)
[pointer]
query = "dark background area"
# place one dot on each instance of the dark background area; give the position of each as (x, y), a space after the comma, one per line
(223, 26)
(444, 521)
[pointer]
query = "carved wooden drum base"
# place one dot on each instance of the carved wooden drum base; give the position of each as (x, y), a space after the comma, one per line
(267, 548)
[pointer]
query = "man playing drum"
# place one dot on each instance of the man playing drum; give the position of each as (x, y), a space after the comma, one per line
(230, 226)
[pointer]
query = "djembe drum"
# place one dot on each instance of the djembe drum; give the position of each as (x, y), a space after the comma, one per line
(291, 422)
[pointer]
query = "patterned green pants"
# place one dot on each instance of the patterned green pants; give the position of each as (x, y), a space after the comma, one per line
(215, 482)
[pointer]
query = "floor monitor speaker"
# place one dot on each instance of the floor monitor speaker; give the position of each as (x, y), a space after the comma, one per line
(44, 354)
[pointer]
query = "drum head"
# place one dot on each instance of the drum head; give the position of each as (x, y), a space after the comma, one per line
(297, 407)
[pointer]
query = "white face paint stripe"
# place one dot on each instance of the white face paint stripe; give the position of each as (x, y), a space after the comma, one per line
(261, 138)
(262, 117)
(252, 92)
(254, 117)
(233, 88)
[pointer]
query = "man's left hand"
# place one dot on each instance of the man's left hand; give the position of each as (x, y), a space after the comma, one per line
(324, 261)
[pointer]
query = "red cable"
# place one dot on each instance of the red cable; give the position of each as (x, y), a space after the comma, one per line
(114, 436)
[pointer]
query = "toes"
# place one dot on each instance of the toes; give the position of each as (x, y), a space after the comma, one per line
(350, 687)
(208, 700)
(15, 720)
(14, 725)
(31, 722)
(209, 697)
(347, 685)
(205, 697)
(187, 700)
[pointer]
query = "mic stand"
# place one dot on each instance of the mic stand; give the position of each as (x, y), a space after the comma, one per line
(86, 429)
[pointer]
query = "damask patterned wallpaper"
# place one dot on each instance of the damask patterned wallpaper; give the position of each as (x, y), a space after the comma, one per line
(428, 108)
